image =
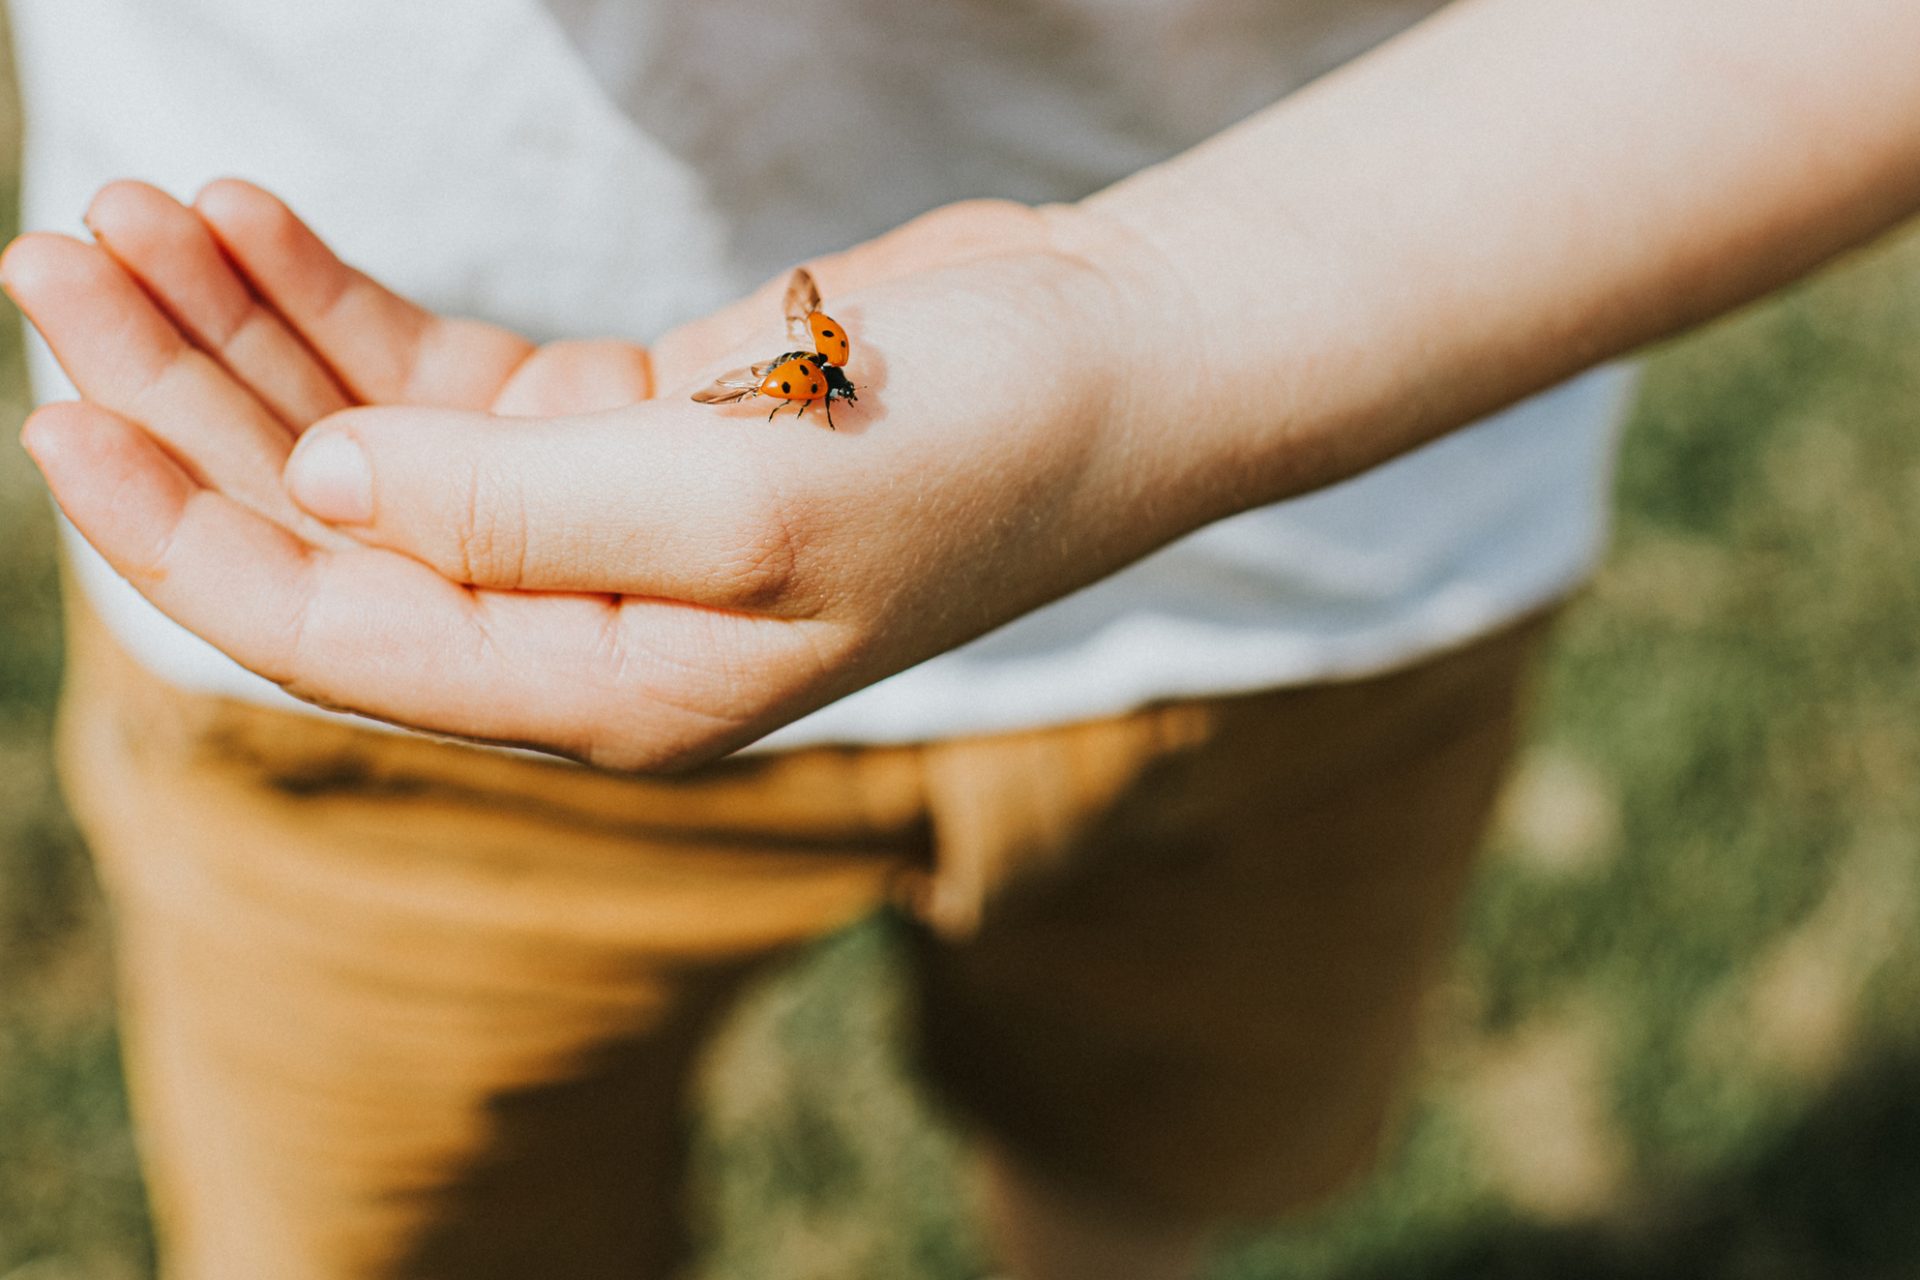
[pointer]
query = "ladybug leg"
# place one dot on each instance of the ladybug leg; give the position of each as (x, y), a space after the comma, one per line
(777, 407)
(828, 402)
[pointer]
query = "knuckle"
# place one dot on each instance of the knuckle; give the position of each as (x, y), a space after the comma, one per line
(232, 340)
(756, 571)
(756, 565)
(982, 211)
(490, 531)
(985, 223)
(668, 701)
(619, 751)
(675, 732)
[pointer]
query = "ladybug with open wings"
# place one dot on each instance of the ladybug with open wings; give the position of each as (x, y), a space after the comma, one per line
(797, 377)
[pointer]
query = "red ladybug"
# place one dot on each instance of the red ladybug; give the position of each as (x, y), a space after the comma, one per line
(797, 377)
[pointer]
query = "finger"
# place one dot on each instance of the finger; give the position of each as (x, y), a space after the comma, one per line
(638, 501)
(126, 356)
(168, 249)
(577, 377)
(382, 348)
(624, 684)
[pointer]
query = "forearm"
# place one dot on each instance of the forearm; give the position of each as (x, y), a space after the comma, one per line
(1508, 194)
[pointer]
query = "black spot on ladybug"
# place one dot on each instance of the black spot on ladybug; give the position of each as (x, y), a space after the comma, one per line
(815, 388)
(826, 333)
(786, 388)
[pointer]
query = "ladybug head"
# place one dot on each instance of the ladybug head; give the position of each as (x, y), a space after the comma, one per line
(838, 386)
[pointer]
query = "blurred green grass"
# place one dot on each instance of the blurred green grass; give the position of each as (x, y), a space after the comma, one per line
(1683, 1035)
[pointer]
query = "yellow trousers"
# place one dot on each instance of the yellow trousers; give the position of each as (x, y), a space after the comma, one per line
(399, 1007)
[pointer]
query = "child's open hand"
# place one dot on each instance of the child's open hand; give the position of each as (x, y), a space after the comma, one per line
(228, 329)
(641, 583)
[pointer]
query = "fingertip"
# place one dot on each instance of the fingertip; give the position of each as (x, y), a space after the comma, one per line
(236, 208)
(41, 434)
(18, 250)
(12, 259)
(36, 261)
(224, 195)
(123, 204)
(270, 245)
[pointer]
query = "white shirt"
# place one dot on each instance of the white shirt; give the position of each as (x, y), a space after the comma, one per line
(614, 167)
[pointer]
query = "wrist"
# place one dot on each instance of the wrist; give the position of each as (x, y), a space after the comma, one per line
(1171, 417)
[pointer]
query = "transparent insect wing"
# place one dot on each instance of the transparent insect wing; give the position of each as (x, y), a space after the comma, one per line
(802, 300)
(737, 385)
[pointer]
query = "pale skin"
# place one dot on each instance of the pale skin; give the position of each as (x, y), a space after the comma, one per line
(554, 546)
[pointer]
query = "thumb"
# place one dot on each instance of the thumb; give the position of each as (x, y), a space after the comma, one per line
(634, 501)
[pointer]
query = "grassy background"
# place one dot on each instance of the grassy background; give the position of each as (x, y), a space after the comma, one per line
(1683, 1035)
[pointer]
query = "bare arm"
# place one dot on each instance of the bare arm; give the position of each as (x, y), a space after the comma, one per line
(1513, 191)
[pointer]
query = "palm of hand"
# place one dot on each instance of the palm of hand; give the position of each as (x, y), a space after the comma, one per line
(625, 582)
